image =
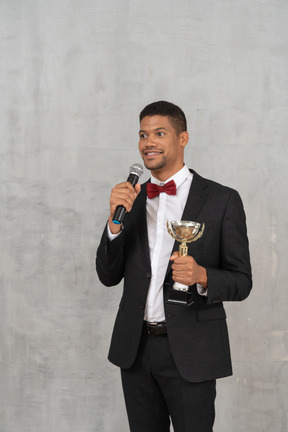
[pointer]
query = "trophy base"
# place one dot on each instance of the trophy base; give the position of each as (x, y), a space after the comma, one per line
(180, 297)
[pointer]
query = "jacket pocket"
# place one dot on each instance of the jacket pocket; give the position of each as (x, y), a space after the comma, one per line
(211, 312)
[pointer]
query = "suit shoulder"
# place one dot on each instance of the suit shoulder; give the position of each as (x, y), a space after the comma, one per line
(214, 186)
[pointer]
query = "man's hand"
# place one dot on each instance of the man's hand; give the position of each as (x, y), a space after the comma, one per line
(186, 270)
(122, 194)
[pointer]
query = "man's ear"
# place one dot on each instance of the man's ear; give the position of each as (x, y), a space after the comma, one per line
(184, 138)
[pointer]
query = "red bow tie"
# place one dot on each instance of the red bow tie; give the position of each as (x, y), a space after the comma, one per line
(154, 190)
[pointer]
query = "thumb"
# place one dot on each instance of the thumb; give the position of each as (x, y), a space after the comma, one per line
(137, 188)
(174, 256)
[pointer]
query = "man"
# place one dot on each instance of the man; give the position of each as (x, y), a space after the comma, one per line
(170, 355)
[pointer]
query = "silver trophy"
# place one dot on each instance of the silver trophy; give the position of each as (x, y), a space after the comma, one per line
(183, 232)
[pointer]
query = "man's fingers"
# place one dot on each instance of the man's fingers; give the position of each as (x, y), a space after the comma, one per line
(122, 198)
(123, 194)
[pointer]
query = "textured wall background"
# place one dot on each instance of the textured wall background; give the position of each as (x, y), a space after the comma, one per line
(74, 76)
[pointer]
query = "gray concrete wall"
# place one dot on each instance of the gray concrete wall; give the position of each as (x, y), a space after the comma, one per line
(74, 75)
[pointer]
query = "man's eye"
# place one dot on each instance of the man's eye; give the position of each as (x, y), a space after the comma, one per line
(143, 136)
(160, 133)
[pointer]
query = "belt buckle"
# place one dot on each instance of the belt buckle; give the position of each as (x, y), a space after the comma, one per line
(149, 325)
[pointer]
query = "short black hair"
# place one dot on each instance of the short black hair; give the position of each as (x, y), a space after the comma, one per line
(167, 109)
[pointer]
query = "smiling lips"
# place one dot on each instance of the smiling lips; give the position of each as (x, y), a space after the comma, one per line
(151, 153)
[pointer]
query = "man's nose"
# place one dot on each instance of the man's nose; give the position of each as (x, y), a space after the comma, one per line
(150, 141)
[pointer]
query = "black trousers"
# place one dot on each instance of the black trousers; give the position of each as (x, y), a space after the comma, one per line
(156, 393)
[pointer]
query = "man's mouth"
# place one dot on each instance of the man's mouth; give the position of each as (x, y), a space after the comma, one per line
(151, 153)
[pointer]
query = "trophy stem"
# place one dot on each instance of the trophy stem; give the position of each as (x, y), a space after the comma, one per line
(183, 249)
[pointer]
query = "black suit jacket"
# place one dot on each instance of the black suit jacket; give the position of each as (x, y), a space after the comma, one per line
(197, 334)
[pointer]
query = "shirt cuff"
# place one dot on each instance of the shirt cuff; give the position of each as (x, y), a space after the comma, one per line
(202, 291)
(110, 235)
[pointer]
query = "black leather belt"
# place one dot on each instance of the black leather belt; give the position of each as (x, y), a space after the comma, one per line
(158, 329)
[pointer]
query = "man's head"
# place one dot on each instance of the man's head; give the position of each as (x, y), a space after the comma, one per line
(167, 109)
(162, 138)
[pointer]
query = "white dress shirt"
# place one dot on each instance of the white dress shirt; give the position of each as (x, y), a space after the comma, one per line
(160, 210)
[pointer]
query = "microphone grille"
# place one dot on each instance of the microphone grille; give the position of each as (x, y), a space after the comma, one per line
(137, 169)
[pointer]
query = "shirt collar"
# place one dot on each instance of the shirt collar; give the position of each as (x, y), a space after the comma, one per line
(178, 178)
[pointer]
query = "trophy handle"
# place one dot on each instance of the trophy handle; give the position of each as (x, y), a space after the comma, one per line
(200, 233)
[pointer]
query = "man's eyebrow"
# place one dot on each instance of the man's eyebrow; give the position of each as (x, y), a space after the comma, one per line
(155, 130)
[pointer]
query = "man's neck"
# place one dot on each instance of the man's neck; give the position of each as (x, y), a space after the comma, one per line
(163, 176)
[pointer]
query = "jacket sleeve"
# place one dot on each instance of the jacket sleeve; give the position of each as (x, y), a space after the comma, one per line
(110, 259)
(232, 281)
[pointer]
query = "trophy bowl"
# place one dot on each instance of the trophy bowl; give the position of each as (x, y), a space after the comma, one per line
(183, 232)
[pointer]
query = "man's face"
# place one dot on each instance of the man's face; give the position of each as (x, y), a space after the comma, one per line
(161, 148)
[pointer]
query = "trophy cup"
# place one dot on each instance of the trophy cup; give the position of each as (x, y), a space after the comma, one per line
(184, 232)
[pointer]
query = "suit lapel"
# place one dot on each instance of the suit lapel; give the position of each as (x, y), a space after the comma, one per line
(196, 198)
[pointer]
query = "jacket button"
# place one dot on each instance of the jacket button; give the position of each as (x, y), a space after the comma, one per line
(148, 275)
(142, 306)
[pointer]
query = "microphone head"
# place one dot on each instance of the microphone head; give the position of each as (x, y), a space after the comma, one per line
(136, 169)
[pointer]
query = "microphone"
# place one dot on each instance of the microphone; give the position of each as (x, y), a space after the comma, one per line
(135, 171)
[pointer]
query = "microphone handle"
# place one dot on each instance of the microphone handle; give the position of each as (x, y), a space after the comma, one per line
(120, 210)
